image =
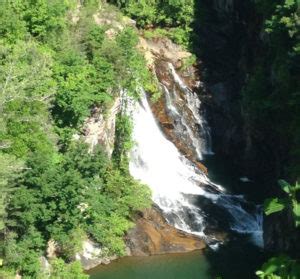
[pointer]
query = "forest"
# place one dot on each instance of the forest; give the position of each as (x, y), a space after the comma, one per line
(54, 72)
(52, 187)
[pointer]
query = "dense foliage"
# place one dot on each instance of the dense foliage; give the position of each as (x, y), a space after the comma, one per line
(172, 18)
(53, 72)
(290, 202)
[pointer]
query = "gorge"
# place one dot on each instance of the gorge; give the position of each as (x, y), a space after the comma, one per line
(149, 139)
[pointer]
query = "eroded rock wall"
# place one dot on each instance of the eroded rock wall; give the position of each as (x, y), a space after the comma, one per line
(152, 235)
(230, 41)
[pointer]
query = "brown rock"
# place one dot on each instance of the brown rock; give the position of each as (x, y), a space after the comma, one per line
(152, 235)
(162, 47)
(201, 167)
(159, 110)
(178, 64)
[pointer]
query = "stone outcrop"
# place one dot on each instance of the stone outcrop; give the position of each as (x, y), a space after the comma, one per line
(152, 235)
(232, 41)
(100, 128)
(164, 48)
(92, 255)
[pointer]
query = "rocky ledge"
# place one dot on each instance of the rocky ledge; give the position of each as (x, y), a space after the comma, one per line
(152, 235)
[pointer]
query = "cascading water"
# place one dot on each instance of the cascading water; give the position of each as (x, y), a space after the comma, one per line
(202, 138)
(184, 193)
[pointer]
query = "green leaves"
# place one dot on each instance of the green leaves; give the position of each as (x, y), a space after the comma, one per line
(62, 270)
(12, 27)
(281, 267)
(10, 166)
(296, 212)
(52, 190)
(154, 13)
(286, 187)
(81, 190)
(26, 89)
(274, 205)
(175, 16)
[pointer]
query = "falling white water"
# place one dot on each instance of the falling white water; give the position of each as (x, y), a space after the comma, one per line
(201, 140)
(196, 142)
(177, 186)
(157, 162)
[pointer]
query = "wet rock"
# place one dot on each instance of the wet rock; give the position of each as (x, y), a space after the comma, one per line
(280, 233)
(219, 93)
(223, 6)
(171, 126)
(218, 236)
(152, 235)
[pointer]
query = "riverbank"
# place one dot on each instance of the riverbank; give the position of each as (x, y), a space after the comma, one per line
(237, 259)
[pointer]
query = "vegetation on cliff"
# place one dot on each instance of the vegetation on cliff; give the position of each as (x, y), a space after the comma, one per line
(53, 72)
(271, 101)
(54, 69)
(171, 19)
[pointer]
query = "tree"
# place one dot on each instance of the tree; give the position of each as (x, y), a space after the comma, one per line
(44, 18)
(10, 166)
(282, 267)
(26, 88)
(61, 270)
(12, 26)
(291, 203)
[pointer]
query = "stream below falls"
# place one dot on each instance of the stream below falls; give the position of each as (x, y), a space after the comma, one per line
(189, 198)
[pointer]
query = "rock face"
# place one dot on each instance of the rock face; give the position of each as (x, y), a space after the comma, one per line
(280, 234)
(100, 129)
(164, 48)
(45, 267)
(224, 42)
(231, 40)
(160, 53)
(92, 255)
(152, 235)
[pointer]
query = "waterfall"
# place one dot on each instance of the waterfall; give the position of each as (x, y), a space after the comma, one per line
(184, 106)
(185, 195)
